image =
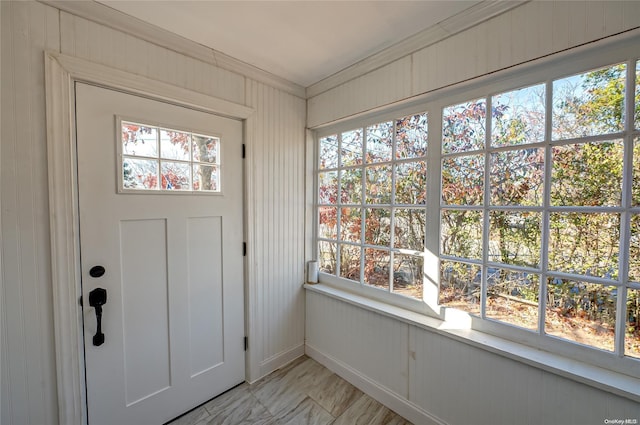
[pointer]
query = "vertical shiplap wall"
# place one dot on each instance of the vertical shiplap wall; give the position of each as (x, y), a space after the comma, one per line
(373, 345)
(276, 153)
(452, 382)
(278, 205)
(493, 390)
(535, 29)
(28, 369)
(88, 40)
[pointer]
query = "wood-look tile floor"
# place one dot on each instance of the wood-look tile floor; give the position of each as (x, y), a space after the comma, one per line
(301, 393)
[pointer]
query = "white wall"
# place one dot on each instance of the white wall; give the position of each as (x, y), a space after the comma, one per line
(404, 364)
(28, 385)
(536, 29)
(446, 381)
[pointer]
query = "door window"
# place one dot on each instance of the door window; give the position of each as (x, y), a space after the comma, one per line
(159, 159)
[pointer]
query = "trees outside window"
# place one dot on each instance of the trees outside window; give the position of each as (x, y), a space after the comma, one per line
(155, 158)
(371, 204)
(538, 208)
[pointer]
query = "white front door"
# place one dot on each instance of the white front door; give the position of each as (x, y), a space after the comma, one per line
(173, 321)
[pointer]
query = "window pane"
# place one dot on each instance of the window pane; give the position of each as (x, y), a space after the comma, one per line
(351, 152)
(589, 104)
(379, 142)
(409, 227)
(460, 286)
(411, 136)
(407, 275)
(517, 177)
(512, 297)
(175, 145)
(206, 149)
(411, 183)
(463, 180)
(379, 184)
(350, 262)
(350, 224)
(632, 337)
(581, 312)
(377, 230)
(634, 249)
(327, 222)
(139, 140)
(329, 152)
(463, 126)
(585, 243)
(635, 185)
(376, 268)
(206, 177)
(514, 238)
(461, 233)
(351, 186)
(518, 116)
(587, 174)
(327, 257)
(328, 187)
(139, 173)
(175, 175)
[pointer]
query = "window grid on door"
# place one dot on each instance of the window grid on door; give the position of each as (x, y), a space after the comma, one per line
(165, 160)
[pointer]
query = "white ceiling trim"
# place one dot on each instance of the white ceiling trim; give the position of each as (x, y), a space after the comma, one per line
(117, 20)
(468, 18)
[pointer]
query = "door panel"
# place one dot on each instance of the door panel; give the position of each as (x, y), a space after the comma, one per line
(145, 324)
(174, 317)
(205, 293)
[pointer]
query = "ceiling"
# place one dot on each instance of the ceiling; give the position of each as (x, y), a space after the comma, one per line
(301, 41)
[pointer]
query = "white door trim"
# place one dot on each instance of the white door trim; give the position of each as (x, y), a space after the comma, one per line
(61, 72)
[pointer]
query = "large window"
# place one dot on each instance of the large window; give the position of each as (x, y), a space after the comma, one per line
(538, 207)
(371, 204)
(534, 209)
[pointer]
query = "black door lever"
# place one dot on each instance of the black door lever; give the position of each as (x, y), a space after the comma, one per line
(97, 298)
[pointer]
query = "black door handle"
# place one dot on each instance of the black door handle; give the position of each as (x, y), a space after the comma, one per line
(97, 298)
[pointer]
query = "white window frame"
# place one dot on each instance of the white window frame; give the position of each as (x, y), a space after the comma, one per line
(544, 70)
(361, 287)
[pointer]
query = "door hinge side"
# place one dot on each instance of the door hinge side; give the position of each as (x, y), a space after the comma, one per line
(246, 343)
(244, 151)
(244, 249)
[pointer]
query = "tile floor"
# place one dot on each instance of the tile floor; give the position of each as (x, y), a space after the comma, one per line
(301, 393)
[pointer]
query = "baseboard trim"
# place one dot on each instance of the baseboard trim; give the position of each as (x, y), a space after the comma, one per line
(393, 401)
(279, 360)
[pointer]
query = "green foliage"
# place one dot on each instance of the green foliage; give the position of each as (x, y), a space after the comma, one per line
(582, 174)
(604, 106)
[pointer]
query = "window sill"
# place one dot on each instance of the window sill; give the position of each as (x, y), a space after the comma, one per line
(597, 377)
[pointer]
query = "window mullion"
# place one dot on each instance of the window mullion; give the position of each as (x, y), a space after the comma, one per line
(431, 283)
(625, 219)
(159, 159)
(363, 201)
(485, 208)
(545, 231)
(392, 237)
(338, 202)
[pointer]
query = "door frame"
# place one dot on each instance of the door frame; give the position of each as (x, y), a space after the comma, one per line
(61, 74)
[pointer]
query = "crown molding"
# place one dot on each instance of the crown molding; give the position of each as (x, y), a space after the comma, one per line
(117, 20)
(466, 19)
